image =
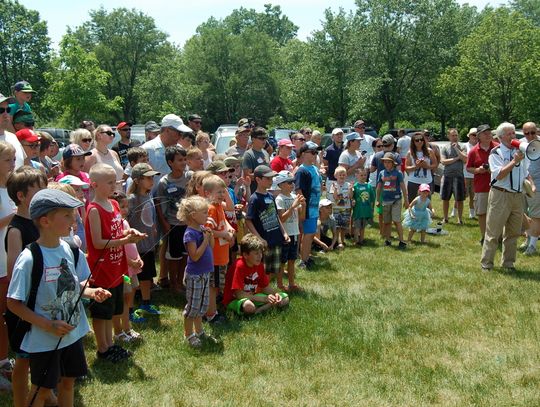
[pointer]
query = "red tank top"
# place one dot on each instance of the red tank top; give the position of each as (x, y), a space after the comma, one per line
(110, 264)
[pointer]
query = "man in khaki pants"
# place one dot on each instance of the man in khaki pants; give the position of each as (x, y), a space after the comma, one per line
(505, 200)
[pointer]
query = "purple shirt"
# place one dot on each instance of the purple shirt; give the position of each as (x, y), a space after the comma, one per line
(205, 264)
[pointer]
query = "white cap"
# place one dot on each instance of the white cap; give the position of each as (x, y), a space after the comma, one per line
(175, 122)
(324, 202)
(337, 130)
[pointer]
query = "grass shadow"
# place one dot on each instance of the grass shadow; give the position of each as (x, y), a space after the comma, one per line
(109, 373)
(522, 274)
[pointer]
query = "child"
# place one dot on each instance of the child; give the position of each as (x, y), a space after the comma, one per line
(106, 237)
(288, 205)
(250, 291)
(363, 201)
(30, 142)
(195, 183)
(135, 155)
(22, 184)
(58, 314)
(142, 216)
(326, 223)
(121, 324)
(194, 159)
(170, 191)
(215, 191)
(340, 195)
(72, 239)
(418, 216)
(198, 240)
(390, 190)
(73, 163)
(80, 187)
(263, 221)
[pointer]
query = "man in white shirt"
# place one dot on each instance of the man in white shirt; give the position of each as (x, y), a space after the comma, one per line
(366, 140)
(5, 123)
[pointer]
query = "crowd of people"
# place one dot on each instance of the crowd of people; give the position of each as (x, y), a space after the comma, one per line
(227, 230)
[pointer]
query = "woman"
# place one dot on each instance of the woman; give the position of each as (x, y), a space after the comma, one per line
(101, 153)
(83, 138)
(419, 164)
(202, 141)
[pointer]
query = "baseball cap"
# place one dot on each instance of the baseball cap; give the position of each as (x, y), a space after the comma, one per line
(23, 86)
(353, 136)
(194, 117)
(74, 150)
(218, 166)
(73, 180)
(359, 123)
(337, 130)
(264, 171)
(175, 122)
(389, 157)
(243, 128)
(22, 116)
(472, 130)
(309, 146)
(47, 200)
(151, 126)
(424, 187)
(3, 98)
(143, 170)
(283, 176)
(388, 139)
(482, 128)
(28, 135)
(121, 125)
(285, 142)
(325, 202)
(231, 160)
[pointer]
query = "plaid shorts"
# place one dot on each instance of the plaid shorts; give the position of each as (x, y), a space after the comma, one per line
(272, 260)
(197, 294)
(217, 279)
(343, 217)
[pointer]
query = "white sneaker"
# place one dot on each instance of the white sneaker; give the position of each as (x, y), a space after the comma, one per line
(134, 334)
(122, 337)
(530, 251)
(472, 215)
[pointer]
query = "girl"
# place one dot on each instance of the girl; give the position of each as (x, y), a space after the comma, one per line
(199, 242)
(202, 141)
(72, 164)
(142, 216)
(122, 327)
(195, 183)
(418, 216)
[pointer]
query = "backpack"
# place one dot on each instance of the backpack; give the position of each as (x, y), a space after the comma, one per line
(17, 328)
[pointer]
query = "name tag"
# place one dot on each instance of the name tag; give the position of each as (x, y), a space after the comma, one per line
(386, 183)
(172, 190)
(51, 274)
(260, 160)
(267, 200)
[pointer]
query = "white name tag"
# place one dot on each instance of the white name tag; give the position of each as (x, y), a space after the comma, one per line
(51, 274)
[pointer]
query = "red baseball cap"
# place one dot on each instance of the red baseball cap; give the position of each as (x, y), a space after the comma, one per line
(121, 125)
(27, 135)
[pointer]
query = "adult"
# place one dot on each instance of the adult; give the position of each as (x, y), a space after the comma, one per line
(101, 153)
(83, 138)
(533, 203)
(22, 92)
(316, 137)
(453, 157)
(202, 142)
(242, 138)
(124, 144)
(88, 125)
(351, 158)
(505, 200)
(469, 177)
(419, 163)
(366, 140)
(255, 156)
(282, 161)
(151, 130)
(298, 139)
(478, 165)
(331, 154)
(389, 144)
(5, 135)
(195, 123)
(306, 132)
(402, 147)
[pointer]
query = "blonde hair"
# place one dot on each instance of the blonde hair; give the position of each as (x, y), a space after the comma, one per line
(200, 136)
(212, 182)
(68, 189)
(192, 152)
(339, 170)
(98, 130)
(99, 170)
(196, 181)
(76, 136)
(190, 205)
(6, 147)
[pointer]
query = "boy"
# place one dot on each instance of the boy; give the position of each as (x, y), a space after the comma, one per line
(363, 196)
(325, 223)
(22, 92)
(263, 221)
(215, 191)
(194, 159)
(249, 291)
(340, 195)
(171, 190)
(135, 155)
(390, 190)
(58, 314)
(105, 240)
(288, 205)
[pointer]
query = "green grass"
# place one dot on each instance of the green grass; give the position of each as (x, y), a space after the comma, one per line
(376, 327)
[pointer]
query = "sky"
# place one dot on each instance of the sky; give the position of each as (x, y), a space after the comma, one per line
(180, 18)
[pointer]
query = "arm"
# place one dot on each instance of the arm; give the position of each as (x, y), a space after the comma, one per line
(409, 164)
(507, 169)
(89, 162)
(195, 252)
(19, 308)
(404, 193)
(434, 161)
(14, 243)
(4, 222)
(100, 243)
(161, 217)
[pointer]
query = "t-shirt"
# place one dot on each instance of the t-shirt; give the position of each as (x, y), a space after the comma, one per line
(245, 278)
(291, 224)
(475, 159)
(455, 169)
(468, 147)
(109, 264)
(404, 144)
(205, 264)
(279, 164)
(122, 149)
(262, 211)
(328, 224)
(251, 160)
(218, 222)
(349, 160)
(56, 297)
(308, 180)
(170, 192)
(235, 151)
(364, 200)
(7, 207)
(378, 163)
(390, 181)
(15, 107)
(343, 200)
(142, 216)
(331, 154)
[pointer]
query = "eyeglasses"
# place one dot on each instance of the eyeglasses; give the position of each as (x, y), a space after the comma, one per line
(32, 146)
(360, 127)
(529, 133)
(418, 140)
(379, 146)
(300, 139)
(386, 144)
(5, 110)
(86, 140)
(108, 133)
(128, 129)
(260, 138)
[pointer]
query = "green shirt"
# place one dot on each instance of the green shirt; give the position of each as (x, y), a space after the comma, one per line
(364, 199)
(15, 107)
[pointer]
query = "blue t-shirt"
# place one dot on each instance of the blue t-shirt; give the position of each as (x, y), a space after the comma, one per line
(56, 297)
(308, 180)
(262, 211)
(205, 264)
(391, 185)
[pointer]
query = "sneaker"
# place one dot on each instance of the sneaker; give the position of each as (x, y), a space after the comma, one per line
(149, 309)
(122, 337)
(402, 245)
(6, 369)
(486, 269)
(302, 265)
(472, 214)
(310, 262)
(123, 353)
(193, 341)
(216, 319)
(387, 243)
(524, 246)
(530, 251)
(204, 337)
(136, 317)
(134, 334)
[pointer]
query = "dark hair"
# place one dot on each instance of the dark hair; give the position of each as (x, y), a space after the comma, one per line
(173, 151)
(46, 140)
(251, 243)
(134, 153)
(424, 148)
(374, 142)
(258, 132)
(85, 124)
(118, 196)
(23, 178)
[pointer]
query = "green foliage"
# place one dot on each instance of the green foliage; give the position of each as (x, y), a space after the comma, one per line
(405, 124)
(278, 121)
(529, 8)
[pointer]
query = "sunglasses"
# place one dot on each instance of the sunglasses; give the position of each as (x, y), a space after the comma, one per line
(196, 121)
(5, 110)
(379, 146)
(300, 139)
(86, 140)
(308, 132)
(32, 146)
(128, 129)
(108, 133)
(529, 133)
(418, 140)
(386, 144)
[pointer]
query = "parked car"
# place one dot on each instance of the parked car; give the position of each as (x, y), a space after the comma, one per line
(223, 129)
(60, 135)
(222, 141)
(279, 134)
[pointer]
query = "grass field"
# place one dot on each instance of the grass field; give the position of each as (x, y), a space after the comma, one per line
(375, 327)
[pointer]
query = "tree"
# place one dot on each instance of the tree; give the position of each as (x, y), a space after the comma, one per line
(125, 42)
(529, 8)
(24, 47)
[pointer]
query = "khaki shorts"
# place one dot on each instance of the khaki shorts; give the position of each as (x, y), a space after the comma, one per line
(534, 205)
(392, 212)
(481, 203)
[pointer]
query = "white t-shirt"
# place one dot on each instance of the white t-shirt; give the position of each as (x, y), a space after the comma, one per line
(342, 192)
(57, 294)
(291, 224)
(466, 173)
(403, 145)
(7, 207)
(349, 160)
(14, 141)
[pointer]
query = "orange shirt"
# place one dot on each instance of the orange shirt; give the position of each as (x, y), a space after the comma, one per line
(217, 221)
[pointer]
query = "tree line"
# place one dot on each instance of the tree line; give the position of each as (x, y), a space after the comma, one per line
(427, 63)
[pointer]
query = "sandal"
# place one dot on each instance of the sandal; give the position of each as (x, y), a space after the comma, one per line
(193, 341)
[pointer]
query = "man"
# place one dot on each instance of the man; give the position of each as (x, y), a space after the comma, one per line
(331, 155)
(533, 203)
(453, 157)
(195, 123)
(469, 190)
(306, 132)
(151, 130)
(402, 147)
(366, 140)
(255, 156)
(242, 138)
(377, 164)
(5, 123)
(505, 200)
(478, 165)
(88, 125)
(124, 144)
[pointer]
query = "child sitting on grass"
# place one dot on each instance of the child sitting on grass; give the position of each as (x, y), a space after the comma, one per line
(326, 223)
(249, 291)
(363, 203)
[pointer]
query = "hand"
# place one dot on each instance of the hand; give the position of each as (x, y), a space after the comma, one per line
(274, 299)
(59, 328)
(286, 238)
(518, 156)
(405, 204)
(240, 182)
(134, 236)
(481, 170)
(100, 294)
